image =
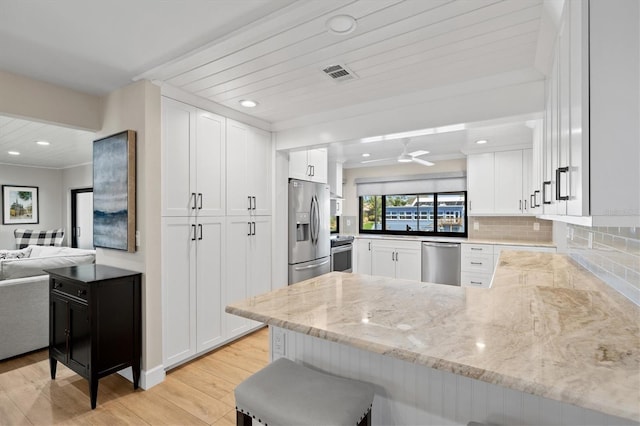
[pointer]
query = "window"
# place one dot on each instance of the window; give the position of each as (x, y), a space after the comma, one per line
(442, 213)
(334, 224)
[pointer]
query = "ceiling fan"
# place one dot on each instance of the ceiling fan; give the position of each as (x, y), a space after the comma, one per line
(406, 156)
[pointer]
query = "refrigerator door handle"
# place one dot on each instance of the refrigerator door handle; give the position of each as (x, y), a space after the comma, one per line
(315, 265)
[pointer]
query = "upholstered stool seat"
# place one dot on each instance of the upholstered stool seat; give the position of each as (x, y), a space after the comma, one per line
(287, 393)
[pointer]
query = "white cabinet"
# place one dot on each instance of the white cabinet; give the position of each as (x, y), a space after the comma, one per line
(480, 177)
(193, 166)
(309, 165)
(249, 170)
(193, 259)
(336, 206)
(248, 266)
(363, 255)
(512, 174)
(499, 183)
(396, 259)
(335, 179)
(591, 133)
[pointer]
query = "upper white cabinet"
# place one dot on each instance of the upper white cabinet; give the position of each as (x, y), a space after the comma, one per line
(591, 150)
(249, 169)
(480, 176)
(335, 179)
(499, 183)
(193, 166)
(309, 165)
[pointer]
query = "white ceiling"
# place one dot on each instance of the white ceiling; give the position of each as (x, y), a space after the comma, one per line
(273, 51)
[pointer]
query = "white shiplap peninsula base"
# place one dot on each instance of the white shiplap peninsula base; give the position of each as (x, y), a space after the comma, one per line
(548, 343)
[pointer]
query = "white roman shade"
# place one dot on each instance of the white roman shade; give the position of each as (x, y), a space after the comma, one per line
(412, 184)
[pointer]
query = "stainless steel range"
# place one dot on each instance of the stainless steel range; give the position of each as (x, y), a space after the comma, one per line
(341, 253)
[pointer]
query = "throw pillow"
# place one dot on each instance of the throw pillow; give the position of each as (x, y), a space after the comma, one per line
(25, 237)
(15, 254)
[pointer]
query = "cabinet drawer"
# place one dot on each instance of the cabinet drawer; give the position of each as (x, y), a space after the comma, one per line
(476, 249)
(471, 279)
(480, 263)
(69, 288)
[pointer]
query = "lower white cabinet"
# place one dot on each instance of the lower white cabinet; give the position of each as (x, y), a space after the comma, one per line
(248, 266)
(363, 255)
(396, 259)
(193, 259)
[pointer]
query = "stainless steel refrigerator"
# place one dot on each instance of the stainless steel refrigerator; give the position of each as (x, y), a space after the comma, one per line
(309, 245)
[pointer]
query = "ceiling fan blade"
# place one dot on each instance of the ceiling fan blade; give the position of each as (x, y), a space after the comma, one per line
(379, 159)
(423, 162)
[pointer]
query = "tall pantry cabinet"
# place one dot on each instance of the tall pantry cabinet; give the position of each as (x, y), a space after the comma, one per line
(197, 280)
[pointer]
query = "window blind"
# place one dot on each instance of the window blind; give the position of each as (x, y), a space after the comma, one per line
(412, 184)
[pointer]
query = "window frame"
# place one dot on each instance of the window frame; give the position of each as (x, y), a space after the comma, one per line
(434, 212)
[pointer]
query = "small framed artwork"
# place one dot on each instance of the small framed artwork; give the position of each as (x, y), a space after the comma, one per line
(19, 204)
(114, 191)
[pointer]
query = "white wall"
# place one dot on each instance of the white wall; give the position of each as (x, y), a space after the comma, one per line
(50, 203)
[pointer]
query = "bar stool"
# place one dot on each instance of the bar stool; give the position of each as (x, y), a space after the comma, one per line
(287, 393)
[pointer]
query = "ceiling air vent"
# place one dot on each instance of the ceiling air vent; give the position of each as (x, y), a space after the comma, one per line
(339, 73)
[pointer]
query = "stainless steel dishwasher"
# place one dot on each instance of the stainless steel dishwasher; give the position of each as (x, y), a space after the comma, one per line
(441, 263)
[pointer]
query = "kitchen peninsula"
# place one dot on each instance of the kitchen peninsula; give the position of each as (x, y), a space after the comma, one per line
(548, 343)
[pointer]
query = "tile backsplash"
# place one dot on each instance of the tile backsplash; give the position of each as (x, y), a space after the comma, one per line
(611, 253)
(510, 228)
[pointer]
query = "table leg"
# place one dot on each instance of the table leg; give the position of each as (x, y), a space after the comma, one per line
(53, 364)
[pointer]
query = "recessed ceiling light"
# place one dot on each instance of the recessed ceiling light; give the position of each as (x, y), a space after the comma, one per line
(481, 141)
(248, 103)
(341, 24)
(366, 154)
(13, 153)
(43, 143)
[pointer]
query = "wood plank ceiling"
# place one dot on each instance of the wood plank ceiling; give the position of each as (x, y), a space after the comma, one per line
(398, 47)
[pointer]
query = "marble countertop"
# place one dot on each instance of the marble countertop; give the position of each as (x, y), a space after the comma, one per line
(530, 243)
(547, 327)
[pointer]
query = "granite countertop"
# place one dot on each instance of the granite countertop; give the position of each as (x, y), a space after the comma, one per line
(547, 327)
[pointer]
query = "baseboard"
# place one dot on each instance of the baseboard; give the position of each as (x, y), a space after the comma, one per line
(148, 378)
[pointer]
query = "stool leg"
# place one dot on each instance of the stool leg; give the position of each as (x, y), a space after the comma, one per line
(242, 419)
(366, 420)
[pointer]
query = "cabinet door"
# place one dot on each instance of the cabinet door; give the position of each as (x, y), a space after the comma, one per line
(210, 164)
(564, 106)
(298, 165)
(259, 257)
(480, 177)
(508, 182)
(79, 337)
(383, 260)
(58, 314)
(363, 261)
(210, 261)
(527, 181)
(260, 170)
(236, 272)
(178, 132)
(409, 263)
(238, 201)
(317, 159)
(178, 289)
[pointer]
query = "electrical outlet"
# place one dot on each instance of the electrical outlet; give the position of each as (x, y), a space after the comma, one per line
(536, 226)
(476, 226)
(348, 222)
(137, 238)
(278, 343)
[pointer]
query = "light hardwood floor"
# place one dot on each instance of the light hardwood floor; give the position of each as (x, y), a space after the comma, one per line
(198, 393)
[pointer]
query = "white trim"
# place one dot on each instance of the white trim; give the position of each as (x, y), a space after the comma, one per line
(629, 221)
(148, 378)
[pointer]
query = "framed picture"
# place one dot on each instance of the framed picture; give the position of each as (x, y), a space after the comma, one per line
(114, 191)
(19, 204)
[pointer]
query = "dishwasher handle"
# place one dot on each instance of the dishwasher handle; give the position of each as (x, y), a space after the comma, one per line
(444, 245)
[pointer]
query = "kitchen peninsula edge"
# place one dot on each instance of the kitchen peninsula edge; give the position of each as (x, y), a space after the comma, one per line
(547, 328)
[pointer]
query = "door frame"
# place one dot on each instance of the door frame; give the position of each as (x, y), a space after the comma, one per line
(74, 193)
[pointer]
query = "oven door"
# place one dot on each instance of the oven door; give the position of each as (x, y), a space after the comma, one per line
(341, 258)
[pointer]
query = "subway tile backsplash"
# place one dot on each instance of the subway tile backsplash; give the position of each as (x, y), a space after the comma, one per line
(611, 253)
(510, 228)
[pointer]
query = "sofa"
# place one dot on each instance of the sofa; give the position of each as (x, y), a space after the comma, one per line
(24, 294)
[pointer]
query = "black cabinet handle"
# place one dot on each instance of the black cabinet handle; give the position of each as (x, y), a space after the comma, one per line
(535, 198)
(254, 202)
(82, 292)
(199, 200)
(200, 231)
(532, 201)
(559, 173)
(193, 201)
(249, 198)
(545, 193)
(254, 228)
(193, 230)
(249, 223)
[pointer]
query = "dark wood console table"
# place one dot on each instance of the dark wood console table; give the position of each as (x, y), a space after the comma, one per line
(95, 322)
